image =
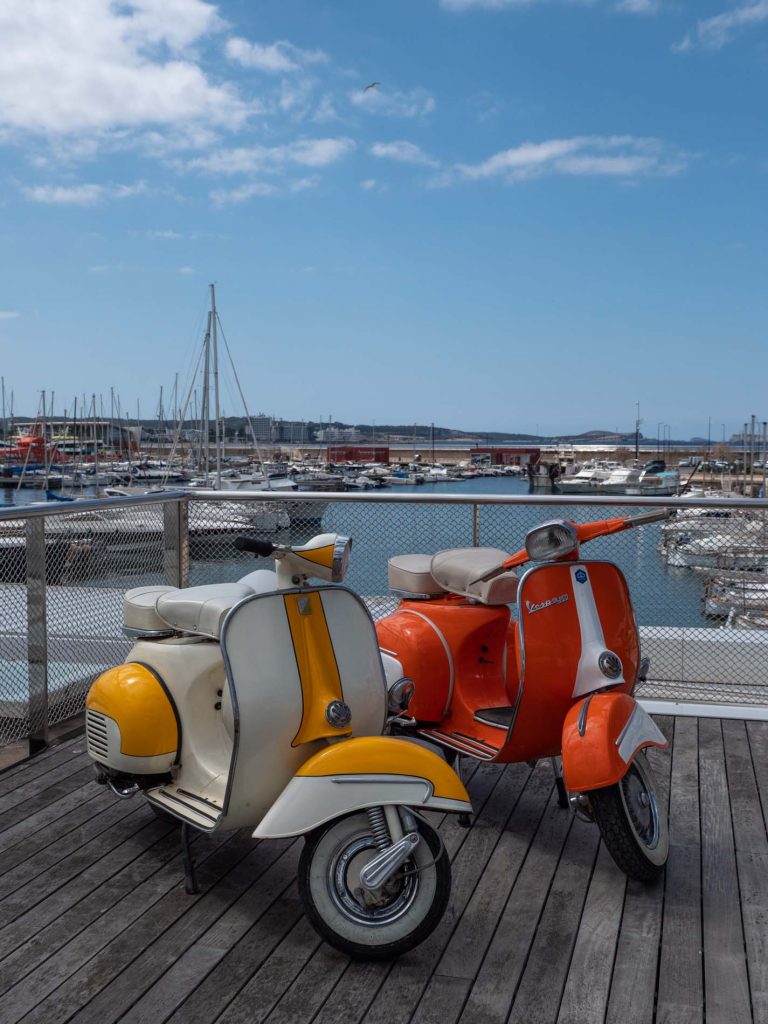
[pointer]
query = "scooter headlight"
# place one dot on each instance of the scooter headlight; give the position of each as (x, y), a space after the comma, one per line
(551, 541)
(342, 549)
(400, 695)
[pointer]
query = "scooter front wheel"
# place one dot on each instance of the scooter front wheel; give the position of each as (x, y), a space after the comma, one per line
(633, 822)
(371, 925)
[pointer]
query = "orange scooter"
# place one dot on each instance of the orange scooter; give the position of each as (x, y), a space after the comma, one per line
(554, 680)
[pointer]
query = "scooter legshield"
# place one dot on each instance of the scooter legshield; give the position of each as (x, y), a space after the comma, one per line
(602, 735)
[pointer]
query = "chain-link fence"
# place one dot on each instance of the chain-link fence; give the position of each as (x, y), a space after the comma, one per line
(699, 581)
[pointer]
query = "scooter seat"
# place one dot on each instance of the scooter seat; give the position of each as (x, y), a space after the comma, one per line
(457, 570)
(140, 616)
(201, 609)
(409, 574)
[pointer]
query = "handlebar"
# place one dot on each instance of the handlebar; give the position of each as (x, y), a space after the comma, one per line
(260, 548)
(590, 531)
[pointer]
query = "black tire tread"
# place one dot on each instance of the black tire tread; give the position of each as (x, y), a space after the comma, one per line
(617, 834)
(391, 949)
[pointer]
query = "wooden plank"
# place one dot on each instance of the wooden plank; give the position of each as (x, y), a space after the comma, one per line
(595, 946)
(103, 953)
(25, 808)
(158, 953)
(40, 764)
(248, 914)
(751, 859)
(538, 996)
(311, 988)
(493, 991)
(29, 788)
(101, 914)
(257, 998)
(725, 969)
(82, 813)
(635, 968)
(409, 976)
(48, 816)
(75, 875)
(680, 986)
(21, 871)
(443, 1000)
(467, 946)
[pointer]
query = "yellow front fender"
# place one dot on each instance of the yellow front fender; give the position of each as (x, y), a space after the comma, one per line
(384, 755)
(352, 775)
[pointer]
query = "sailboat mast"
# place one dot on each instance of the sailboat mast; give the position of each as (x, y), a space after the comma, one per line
(216, 387)
(204, 411)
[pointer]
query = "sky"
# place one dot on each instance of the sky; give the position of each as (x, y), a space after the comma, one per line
(513, 215)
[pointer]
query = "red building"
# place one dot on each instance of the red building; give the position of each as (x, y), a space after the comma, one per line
(506, 456)
(358, 453)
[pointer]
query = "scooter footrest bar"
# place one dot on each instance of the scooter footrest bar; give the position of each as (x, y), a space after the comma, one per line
(464, 744)
(182, 804)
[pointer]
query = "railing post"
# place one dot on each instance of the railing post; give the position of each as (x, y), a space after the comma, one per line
(475, 526)
(176, 543)
(37, 634)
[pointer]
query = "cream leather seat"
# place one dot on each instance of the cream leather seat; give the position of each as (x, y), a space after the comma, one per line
(458, 569)
(409, 574)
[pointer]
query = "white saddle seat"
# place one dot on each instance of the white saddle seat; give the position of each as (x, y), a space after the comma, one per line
(140, 612)
(201, 609)
(409, 574)
(457, 570)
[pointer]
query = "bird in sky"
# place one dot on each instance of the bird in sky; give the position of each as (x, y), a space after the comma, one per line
(371, 86)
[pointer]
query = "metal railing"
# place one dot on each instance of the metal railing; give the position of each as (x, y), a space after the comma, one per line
(64, 568)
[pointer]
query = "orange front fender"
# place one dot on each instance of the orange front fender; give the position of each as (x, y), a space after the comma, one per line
(602, 735)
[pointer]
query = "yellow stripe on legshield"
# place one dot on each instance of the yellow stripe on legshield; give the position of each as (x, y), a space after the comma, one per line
(316, 662)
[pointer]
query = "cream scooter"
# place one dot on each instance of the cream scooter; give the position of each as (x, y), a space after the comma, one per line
(261, 704)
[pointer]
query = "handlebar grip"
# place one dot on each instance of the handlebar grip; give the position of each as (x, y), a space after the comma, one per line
(648, 517)
(264, 548)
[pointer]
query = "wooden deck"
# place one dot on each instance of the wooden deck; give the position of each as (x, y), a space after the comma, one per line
(95, 926)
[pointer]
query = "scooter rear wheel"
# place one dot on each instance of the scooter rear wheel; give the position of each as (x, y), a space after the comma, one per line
(371, 926)
(633, 822)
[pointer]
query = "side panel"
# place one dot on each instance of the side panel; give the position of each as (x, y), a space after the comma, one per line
(601, 737)
(133, 697)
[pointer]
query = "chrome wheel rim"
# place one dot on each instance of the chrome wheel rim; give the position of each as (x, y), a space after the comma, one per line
(639, 797)
(382, 907)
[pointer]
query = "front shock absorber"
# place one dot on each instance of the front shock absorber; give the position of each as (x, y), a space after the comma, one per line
(378, 823)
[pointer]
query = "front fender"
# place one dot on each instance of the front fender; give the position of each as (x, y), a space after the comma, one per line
(351, 775)
(602, 735)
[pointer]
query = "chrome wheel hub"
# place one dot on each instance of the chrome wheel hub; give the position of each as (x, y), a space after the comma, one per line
(372, 908)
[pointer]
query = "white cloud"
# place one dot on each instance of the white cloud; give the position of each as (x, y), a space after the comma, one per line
(249, 159)
(638, 6)
(281, 57)
(403, 152)
(81, 195)
(368, 185)
(716, 32)
(8, 315)
(620, 156)
(94, 67)
(393, 103)
(164, 234)
(225, 197)
(186, 270)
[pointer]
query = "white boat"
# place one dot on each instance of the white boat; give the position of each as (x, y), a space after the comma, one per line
(588, 479)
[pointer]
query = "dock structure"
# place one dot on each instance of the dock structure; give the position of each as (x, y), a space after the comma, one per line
(96, 927)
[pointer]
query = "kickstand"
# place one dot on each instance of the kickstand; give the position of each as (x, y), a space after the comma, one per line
(190, 884)
(562, 792)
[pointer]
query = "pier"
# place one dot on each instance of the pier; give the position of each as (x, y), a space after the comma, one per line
(95, 925)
